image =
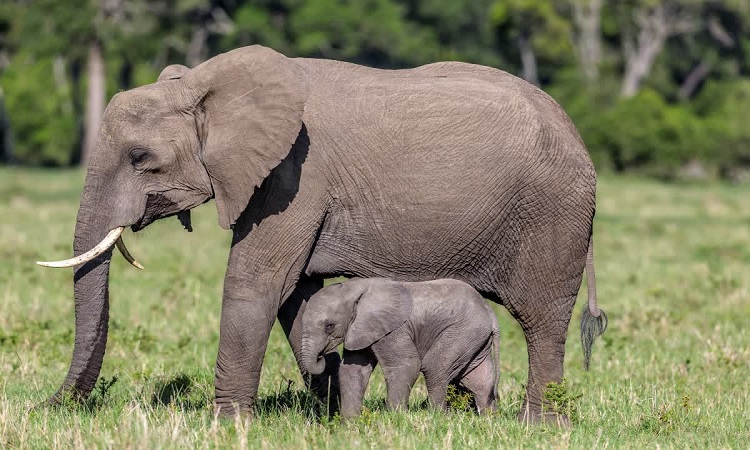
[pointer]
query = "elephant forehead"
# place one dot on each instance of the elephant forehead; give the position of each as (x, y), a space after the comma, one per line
(137, 104)
(325, 305)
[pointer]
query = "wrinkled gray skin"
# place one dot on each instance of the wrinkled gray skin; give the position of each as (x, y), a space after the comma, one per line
(442, 328)
(324, 168)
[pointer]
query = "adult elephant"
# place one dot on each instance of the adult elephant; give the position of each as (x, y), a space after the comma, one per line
(325, 168)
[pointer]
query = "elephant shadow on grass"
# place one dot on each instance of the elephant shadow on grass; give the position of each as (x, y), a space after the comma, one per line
(188, 393)
(290, 398)
(180, 391)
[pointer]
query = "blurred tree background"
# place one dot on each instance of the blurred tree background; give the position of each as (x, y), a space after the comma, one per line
(655, 86)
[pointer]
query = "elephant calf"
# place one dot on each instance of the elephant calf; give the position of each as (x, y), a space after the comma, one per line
(442, 328)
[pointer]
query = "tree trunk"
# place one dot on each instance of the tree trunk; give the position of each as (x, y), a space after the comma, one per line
(656, 26)
(6, 149)
(528, 60)
(196, 51)
(95, 99)
(587, 18)
(125, 77)
(694, 79)
(640, 61)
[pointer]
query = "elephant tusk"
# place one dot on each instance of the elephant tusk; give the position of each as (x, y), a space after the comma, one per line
(126, 254)
(109, 240)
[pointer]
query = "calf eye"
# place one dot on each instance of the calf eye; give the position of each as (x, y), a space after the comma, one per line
(329, 327)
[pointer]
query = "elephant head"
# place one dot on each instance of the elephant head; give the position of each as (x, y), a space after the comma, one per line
(358, 313)
(214, 131)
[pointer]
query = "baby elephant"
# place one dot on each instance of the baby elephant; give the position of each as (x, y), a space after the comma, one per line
(442, 328)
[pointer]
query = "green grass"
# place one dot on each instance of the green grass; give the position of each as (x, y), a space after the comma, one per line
(672, 370)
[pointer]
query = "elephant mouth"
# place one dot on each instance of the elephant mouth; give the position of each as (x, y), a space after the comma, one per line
(158, 207)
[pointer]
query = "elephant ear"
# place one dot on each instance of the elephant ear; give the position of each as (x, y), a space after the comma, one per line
(248, 104)
(172, 72)
(380, 309)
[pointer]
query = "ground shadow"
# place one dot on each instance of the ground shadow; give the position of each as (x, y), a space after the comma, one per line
(290, 399)
(180, 391)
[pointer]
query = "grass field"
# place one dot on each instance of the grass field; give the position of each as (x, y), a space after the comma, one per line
(672, 370)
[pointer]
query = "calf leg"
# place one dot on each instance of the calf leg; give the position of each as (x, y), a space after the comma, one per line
(481, 382)
(354, 374)
(401, 364)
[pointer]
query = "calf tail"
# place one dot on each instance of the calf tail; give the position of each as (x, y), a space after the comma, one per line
(593, 320)
(495, 352)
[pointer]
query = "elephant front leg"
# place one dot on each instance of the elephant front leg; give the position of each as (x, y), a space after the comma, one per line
(247, 315)
(326, 385)
(354, 375)
(270, 247)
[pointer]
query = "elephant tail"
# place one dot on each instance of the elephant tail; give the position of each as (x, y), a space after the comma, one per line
(593, 320)
(495, 353)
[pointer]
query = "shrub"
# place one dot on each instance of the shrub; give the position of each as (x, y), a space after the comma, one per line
(645, 133)
(724, 107)
(41, 112)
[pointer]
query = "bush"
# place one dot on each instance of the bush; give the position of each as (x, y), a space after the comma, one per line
(724, 107)
(41, 112)
(645, 133)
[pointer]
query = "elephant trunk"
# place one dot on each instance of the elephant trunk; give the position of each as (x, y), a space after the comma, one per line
(91, 287)
(312, 360)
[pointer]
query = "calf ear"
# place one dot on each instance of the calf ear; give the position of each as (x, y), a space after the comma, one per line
(173, 72)
(381, 308)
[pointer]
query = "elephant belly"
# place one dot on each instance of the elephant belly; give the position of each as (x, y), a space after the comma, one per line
(421, 241)
(487, 230)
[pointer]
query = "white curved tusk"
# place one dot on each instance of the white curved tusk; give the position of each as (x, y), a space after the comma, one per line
(106, 243)
(126, 254)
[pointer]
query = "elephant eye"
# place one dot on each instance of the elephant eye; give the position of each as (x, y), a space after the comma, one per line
(138, 156)
(329, 327)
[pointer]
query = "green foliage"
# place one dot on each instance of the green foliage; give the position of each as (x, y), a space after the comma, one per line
(560, 400)
(41, 111)
(361, 30)
(669, 417)
(541, 19)
(660, 131)
(459, 399)
(644, 132)
(724, 107)
(255, 24)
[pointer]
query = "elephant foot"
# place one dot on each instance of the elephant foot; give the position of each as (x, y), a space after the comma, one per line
(536, 416)
(232, 410)
(229, 404)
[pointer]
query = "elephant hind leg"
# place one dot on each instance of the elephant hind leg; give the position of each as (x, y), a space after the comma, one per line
(481, 382)
(544, 318)
(541, 294)
(546, 349)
